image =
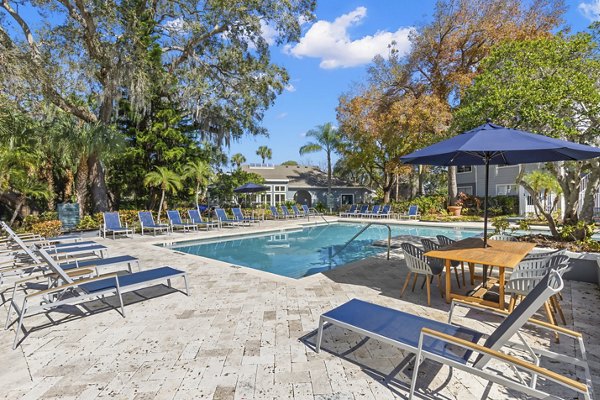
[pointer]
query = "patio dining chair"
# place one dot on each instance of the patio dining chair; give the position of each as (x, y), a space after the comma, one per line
(458, 346)
(430, 245)
(112, 224)
(417, 265)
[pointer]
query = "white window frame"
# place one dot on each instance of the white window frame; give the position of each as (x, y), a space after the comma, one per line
(469, 191)
(464, 172)
(514, 193)
(279, 188)
(278, 196)
(346, 194)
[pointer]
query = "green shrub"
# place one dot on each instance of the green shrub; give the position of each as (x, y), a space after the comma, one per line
(47, 228)
(427, 204)
(500, 224)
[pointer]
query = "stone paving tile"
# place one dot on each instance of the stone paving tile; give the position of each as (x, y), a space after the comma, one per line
(246, 334)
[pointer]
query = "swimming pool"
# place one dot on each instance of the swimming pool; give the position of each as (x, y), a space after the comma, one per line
(303, 252)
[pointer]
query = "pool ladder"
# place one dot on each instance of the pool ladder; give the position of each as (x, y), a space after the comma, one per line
(316, 213)
(389, 241)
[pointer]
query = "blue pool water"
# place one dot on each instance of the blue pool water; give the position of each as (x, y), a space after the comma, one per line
(307, 251)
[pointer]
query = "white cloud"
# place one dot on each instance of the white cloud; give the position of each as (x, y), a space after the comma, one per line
(590, 10)
(175, 25)
(290, 88)
(282, 115)
(331, 42)
(268, 33)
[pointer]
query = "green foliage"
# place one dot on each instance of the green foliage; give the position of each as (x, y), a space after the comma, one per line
(450, 218)
(88, 222)
(524, 225)
(434, 204)
(500, 224)
(47, 228)
(290, 163)
(581, 231)
(320, 207)
(264, 153)
(222, 189)
(543, 182)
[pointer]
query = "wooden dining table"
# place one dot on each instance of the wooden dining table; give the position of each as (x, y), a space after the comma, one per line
(498, 253)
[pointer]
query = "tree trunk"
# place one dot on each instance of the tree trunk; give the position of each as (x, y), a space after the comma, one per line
(162, 199)
(69, 179)
(422, 173)
(98, 183)
(49, 178)
(414, 183)
(329, 180)
(452, 186)
(18, 207)
(587, 209)
(388, 183)
(397, 178)
(81, 185)
(197, 195)
(539, 207)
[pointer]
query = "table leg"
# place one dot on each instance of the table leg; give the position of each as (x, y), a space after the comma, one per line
(501, 288)
(472, 273)
(448, 281)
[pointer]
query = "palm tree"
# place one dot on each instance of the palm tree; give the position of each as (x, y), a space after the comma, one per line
(200, 172)
(265, 153)
(26, 186)
(238, 159)
(327, 139)
(166, 180)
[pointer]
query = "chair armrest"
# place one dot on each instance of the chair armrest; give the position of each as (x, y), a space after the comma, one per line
(504, 314)
(69, 285)
(517, 362)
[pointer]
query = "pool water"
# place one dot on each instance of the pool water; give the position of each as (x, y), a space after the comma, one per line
(306, 251)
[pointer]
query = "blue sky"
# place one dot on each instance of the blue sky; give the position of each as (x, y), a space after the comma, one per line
(333, 54)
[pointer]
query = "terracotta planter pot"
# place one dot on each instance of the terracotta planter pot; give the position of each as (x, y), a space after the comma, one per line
(455, 210)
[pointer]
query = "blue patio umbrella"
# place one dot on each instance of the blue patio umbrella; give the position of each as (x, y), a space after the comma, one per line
(491, 144)
(250, 188)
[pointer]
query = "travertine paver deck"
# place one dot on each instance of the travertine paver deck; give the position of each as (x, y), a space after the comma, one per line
(238, 336)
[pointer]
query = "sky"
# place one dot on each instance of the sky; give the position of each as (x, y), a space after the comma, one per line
(333, 55)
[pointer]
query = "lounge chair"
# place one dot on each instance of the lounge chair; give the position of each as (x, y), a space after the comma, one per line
(297, 212)
(286, 212)
(95, 250)
(454, 345)
(309, 211)
(74, 292)
(364, 209)
(350, 212)
(112, 224)
(224, 219)
(239, 216)
(196, 218)
(373, 213)
(147, 223)
(275, 213)
(176, 222)
(386, 212)
(413, 212)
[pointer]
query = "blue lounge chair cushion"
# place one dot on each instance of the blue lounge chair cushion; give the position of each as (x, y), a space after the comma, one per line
(78, 249)
(74, 244)
(131, 279)
(402, 327)
(98, 262)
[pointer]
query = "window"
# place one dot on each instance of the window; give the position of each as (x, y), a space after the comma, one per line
(264, 198)
(506, 190)
(279, 198)
(279, 188)
(347, 199)
(465, 189)
(461, 169)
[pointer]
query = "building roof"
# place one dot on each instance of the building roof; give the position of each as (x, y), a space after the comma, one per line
(298, 176)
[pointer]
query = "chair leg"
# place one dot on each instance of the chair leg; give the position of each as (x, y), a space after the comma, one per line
(462, 267)
(551, 320)
(456, 275)
(428, 290)
(559, 308)
(439, 279)
(414, 282)
(405, 284)
(511, 304)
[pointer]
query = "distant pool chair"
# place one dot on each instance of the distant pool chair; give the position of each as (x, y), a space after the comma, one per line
(239, 216)
(297, 211)
(429, 245)
(350, 212)
(176, 222)
(386, 212)
(196, 218)
(413, 212)
(112, 224)
(147, 223)
(274, 213)
(417, 265)
(286, 212)
(224, 219)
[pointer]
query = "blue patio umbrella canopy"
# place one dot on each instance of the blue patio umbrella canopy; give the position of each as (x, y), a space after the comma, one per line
(250, 188)
(493, 144)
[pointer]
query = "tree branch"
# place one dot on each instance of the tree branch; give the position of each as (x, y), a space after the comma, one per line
(188, 49)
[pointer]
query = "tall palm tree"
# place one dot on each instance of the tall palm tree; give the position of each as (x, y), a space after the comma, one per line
(26, 186)
(200, 172)
(166, 180)
(327, 139)
(265, 153)
(238, 159)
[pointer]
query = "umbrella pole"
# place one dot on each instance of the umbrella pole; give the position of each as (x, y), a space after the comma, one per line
(485, 212)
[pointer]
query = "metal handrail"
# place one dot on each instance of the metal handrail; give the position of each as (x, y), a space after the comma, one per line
(389, 241)
(315, 212)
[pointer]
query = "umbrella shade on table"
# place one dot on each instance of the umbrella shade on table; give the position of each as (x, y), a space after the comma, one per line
(491, 144)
